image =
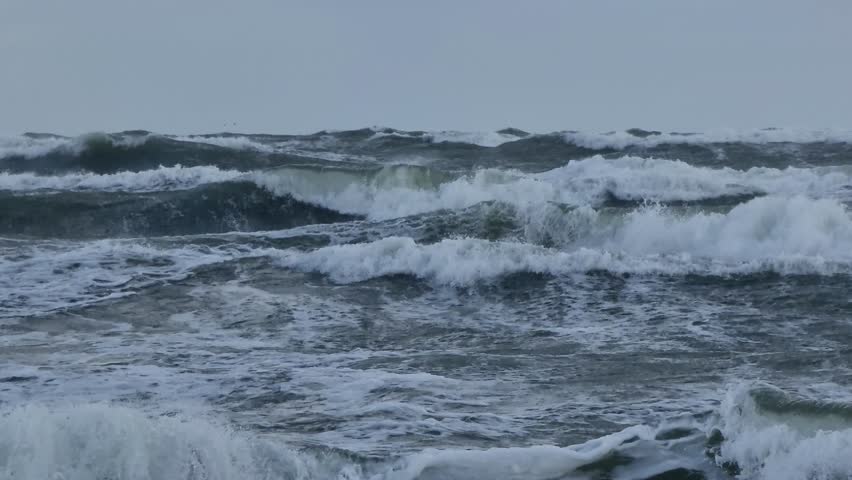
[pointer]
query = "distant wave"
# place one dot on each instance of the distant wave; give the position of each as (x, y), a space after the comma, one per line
(31, 146)
(160, 179)
(482, 139)
(509, 148)
(236, 142)
(643, 138)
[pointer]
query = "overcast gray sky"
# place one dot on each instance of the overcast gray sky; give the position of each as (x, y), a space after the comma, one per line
(298, 66)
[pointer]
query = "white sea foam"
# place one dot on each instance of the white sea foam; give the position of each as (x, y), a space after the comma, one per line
(636, 178)
(160, 179)
(787, 235)
(623, 139)
(100, 441)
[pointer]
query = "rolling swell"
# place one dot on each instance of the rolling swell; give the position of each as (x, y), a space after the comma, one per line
(508, 148)
(212, 208)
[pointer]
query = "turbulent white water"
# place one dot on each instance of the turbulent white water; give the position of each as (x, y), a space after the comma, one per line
(85, 441)
(102, 441)
(99, 441)
(786, 235)
(783, 447)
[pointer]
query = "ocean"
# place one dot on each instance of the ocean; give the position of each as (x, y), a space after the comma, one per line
(398, 305)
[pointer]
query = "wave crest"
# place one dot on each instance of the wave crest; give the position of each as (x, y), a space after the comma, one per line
(782, 443)
(399, 191)
(792, 236)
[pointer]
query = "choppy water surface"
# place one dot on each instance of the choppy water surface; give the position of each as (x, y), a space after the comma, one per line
(380, 304)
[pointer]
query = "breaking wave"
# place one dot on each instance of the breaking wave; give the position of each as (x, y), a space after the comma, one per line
(785, 235)
(758, 432)
(404, 190)
(765, 433)
(103, 441)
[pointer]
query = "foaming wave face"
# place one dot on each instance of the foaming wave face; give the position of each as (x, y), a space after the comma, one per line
(399, 191)
(762, 229)
(790, 439)
(99, 441)
(794, 235)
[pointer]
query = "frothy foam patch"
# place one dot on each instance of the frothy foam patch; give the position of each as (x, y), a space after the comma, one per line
(787, 235)
(401, 191)
(623, 139)
(163, 178)
(781, 447)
